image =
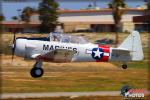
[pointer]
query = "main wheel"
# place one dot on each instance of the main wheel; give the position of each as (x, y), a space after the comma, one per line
(124, 66)
(36, 72)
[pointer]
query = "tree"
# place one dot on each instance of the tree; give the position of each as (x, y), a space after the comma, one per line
(148, 4)
(26, 14)
(148, 14)
(2, 17)
(117, 11)
(14, 17)
(90, 6)
(48, 15)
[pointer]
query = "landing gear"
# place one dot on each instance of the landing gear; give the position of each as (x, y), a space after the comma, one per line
(37, 71)
(124, 66)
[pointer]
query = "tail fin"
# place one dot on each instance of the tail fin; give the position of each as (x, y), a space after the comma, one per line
(133, 44)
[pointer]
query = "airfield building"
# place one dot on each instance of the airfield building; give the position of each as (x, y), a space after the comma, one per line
(97, 20)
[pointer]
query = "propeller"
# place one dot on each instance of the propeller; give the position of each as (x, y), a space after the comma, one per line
(13, 46)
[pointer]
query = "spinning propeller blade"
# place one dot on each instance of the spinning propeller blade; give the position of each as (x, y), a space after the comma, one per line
(13, 46)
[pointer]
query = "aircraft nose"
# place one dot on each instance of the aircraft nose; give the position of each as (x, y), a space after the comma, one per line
(19, 47)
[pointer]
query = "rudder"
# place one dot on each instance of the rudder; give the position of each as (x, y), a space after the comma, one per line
(133, 44)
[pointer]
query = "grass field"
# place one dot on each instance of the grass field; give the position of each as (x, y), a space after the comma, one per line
(73, 76)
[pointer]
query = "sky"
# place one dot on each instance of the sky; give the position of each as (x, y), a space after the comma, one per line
(9, 9)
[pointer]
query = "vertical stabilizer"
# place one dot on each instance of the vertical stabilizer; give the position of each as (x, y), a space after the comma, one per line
(133, 44)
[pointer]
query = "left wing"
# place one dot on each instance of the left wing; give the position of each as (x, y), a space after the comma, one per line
(58, 55)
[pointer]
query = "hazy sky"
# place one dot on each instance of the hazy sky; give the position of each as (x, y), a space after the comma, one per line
(9, 9)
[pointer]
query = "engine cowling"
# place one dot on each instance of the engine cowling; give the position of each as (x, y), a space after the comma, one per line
(20, 47)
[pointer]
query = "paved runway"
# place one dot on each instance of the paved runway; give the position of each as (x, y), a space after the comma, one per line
(59, 94)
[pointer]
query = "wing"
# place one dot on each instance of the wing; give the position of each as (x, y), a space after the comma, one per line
(120, 55)
(58, 55)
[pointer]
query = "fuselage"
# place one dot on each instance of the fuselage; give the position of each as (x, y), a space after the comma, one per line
(87, 52)
(66, 48)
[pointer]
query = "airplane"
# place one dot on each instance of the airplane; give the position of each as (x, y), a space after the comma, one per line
(60, 48)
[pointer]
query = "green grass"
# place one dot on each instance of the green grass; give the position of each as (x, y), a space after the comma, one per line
(134, 65)
(140, 64)
(64, 81)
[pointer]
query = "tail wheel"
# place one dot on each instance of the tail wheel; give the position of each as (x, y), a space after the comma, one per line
(124, 66)
(36, 72)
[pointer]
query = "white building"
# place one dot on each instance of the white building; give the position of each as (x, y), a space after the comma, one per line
(96, 20)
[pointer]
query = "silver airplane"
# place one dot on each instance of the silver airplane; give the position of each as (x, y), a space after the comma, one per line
(65, 48)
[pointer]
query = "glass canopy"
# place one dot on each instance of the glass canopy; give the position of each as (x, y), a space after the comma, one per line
(65, 38)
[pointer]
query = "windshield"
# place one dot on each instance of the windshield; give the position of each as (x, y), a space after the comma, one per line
(65, 38)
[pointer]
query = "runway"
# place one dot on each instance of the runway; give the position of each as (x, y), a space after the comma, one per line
(59, 94)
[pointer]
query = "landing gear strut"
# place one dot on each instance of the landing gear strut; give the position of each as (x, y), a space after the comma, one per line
(124, 66)
(37, 70)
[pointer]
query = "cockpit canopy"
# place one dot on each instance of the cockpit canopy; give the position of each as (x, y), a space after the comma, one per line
(65, 38)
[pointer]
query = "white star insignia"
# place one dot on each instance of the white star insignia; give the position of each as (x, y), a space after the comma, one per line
(97, 53)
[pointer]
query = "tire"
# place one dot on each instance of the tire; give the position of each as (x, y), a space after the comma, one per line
(36, 72)
(124, 66)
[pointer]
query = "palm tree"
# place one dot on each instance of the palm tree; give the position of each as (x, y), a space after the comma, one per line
(148, 13)
(1, 19)
(148, 4)
(48, 15)
(26, 14)
(117, 6)
(14, 18)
